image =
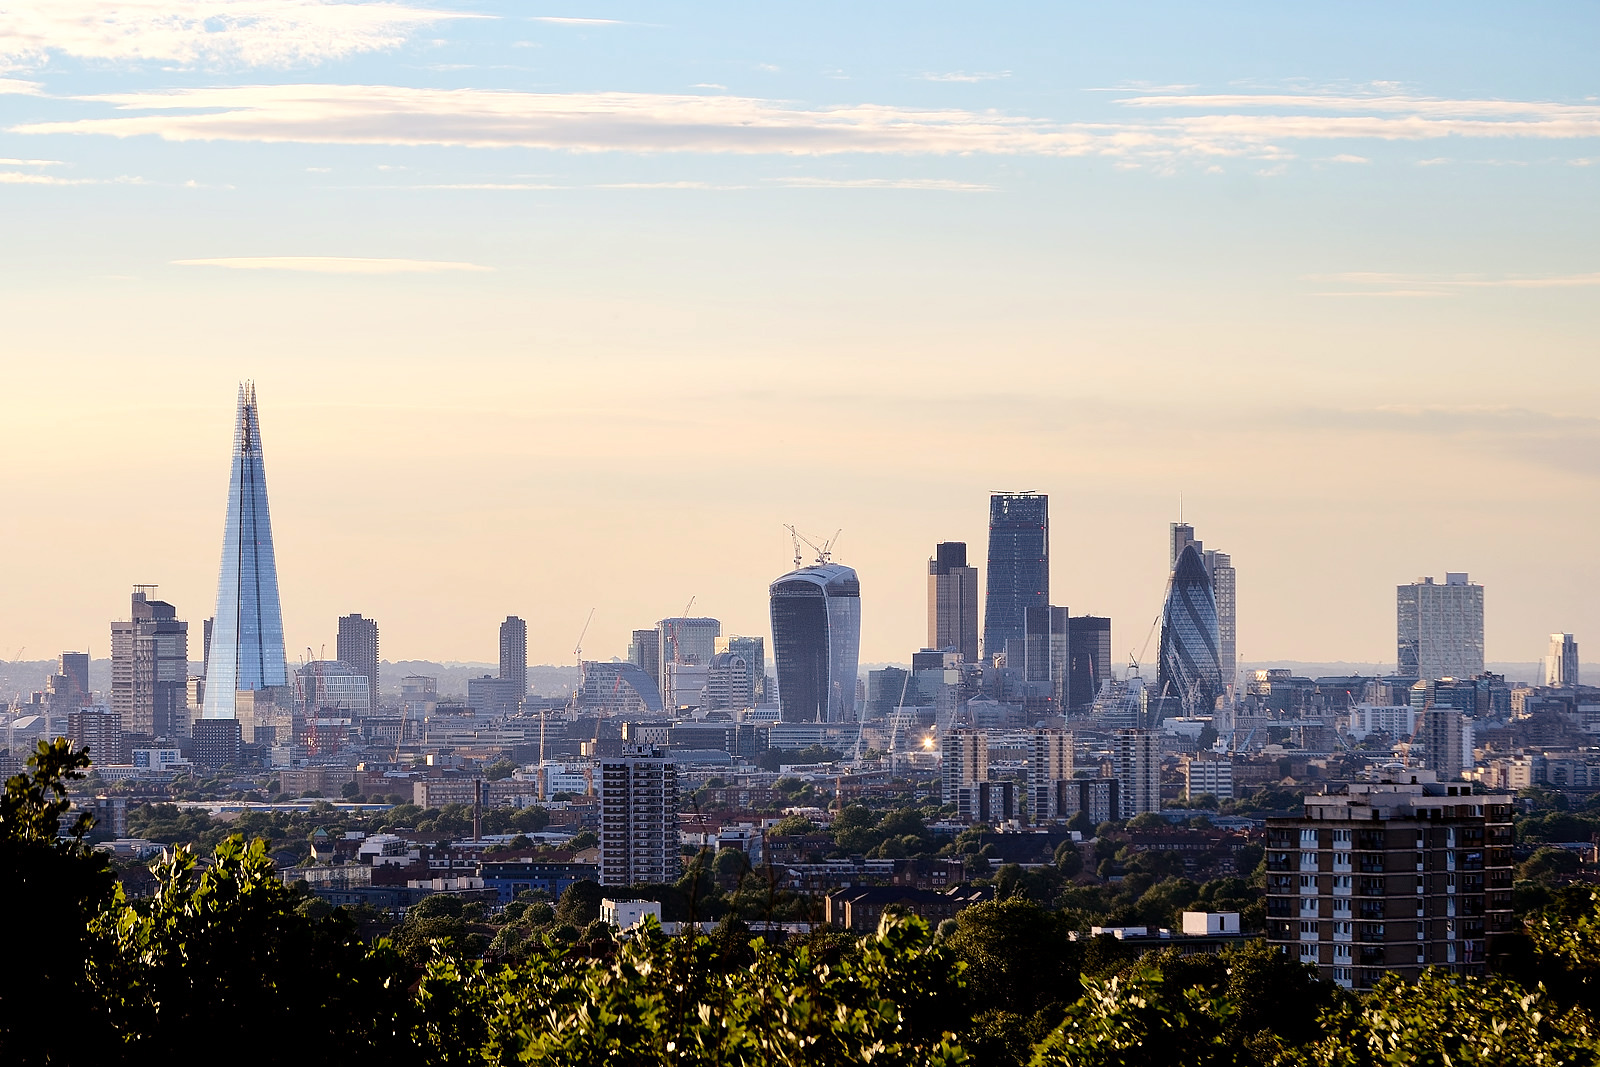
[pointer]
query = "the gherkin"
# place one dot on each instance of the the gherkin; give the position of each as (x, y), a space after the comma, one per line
(1191, 664)
(246, 650)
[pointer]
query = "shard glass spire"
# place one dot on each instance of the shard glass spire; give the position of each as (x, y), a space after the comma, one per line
(1191, 666)
(247, 637)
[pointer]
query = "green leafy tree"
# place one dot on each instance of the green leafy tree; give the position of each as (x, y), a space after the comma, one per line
(219, 946)
(1444, 1021)
(1140, 1019)
(663, 1001)
(52, 889)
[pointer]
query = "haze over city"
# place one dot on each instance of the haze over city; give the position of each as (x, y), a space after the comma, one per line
(552, 310)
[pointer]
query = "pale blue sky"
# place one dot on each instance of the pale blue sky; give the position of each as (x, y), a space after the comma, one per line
(548, 314)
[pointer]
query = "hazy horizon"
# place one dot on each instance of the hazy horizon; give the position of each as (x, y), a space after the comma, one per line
(571, 308)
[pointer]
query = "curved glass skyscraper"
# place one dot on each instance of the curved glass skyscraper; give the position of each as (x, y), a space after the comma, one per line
(246, 651)
(1191, 665)
(816, 642)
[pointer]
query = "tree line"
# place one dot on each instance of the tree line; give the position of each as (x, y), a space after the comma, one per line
(226, 960)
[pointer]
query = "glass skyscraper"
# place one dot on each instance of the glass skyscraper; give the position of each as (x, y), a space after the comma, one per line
(1191, 665)
(816, 642)
(1019, 568)
(246, 648)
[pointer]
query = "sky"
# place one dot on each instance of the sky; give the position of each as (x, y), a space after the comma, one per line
(572, 307)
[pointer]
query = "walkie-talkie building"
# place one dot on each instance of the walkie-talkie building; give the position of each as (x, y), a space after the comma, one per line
(1019, 569)
(246, 651)
(816, 642)
(1191, 665)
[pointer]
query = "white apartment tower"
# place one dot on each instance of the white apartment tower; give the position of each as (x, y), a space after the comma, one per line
(1561, 663)
(638, 818)
(965, 761)
(1136, 763)
(1049, 764)
(1439, 628)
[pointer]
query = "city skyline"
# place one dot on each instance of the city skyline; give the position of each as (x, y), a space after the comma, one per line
(1257, 257)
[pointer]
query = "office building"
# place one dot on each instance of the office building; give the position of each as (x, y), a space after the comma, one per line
(816, 642)
(1439, 628)
(327, 688)
(644, 652)
(1219, 566)
(358, 648)
(1389, 877)
(1019, 569)
(216, 742)
(1447, 738)
(245, 652)
(97, 730)
(638, 818)
(1060, 657)
(753, 651)
(495, 697)
(1561, 663)
(1049, 764)
(688, 640)
(1036, 646)
(730, 682)
(683, 685)
(1190, 677)
(69, 686)
(953, 601)
(613, 689)
(1136, 765)
(1219, 569)
(1208, 773)
(964, 761)
(1089, 660)
(150, 668)
(514, 654)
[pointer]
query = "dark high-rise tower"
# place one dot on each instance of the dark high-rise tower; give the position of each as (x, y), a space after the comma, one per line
(514, 653)
(816, 642)
(953, 601)
(358, 648)
(1019, 568)
(1191, 666)
(246, 648)
(150, 667)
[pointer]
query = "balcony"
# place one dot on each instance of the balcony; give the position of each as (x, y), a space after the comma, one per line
(1372, 909)
(1373, 864)
(1370, 957)
(1279, 861)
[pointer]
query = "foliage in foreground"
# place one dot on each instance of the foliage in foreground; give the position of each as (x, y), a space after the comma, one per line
(226, 960)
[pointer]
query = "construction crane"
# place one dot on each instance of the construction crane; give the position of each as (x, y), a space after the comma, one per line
(544, 708)
(1134, 661)
(824, 551)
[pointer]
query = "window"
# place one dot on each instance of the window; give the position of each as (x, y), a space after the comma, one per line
(1341, 838)
(1308, 927)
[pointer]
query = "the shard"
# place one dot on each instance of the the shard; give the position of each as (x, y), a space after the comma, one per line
(246, 650)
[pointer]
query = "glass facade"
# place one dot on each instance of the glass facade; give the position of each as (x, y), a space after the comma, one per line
(246, 648)
(1019, 567)
(1191, 665)
(816, 642)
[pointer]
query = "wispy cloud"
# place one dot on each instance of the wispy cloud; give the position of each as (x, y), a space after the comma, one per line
(653, 122)
(560, 21)
(22, 177)
(332, 264)
(1380, 284)
(250, 33)
(31, 163)
(964, 76)
(17, 86)
(932, 184)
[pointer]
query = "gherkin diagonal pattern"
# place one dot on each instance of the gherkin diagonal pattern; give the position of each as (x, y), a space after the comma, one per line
(1191, 663)
(247, 637)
